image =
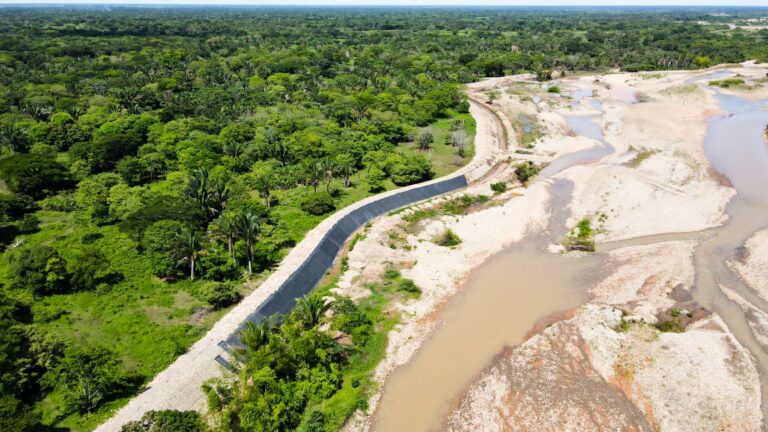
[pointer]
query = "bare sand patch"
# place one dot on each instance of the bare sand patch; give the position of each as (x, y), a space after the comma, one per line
(753, 263)
(584, 375)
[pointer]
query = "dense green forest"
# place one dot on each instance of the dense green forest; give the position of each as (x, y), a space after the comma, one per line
(157, 163)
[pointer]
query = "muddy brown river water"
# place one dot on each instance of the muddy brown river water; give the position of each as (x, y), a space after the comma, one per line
(735, 146)
(497, 307)
(507, 295)
(502, 301)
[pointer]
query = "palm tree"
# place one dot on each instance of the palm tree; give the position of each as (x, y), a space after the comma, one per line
(247, 228)
(346, 166)
(198, 188)
(263, 184)
(311, 310)
(218, 195)
(189, 249)
(253, 336)
(224, 227)
(315, 173)
(328, 168)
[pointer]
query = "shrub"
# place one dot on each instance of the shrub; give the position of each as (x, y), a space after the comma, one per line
(580, 238)
(62, 203)
(425, 141)
(89, 268)
(318, 203)
(29, 224)
(460, 204)
(727, 83)
(673, 326)
(409, 286)
(448, 239)
(391, 273)
(217, 265)
(40, 270)
(394, 279)
(526, 170)
(641, 156)
(14, 206)
(221, 295)
(498, 187)
(166, 421)
(554, 89)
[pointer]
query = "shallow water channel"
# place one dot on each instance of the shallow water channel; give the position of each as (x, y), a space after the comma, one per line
(736, 147)
(500, 303)
(498, 306)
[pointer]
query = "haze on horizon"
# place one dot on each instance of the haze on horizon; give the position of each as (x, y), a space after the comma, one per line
(691, 3)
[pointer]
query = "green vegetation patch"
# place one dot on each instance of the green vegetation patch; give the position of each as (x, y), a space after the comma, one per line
(641, 156)
(319, 359)
(498, 187)
(448, 239)
(526, 171)
(455, 206)
(581, 237)
(529, 129)
(727, 83)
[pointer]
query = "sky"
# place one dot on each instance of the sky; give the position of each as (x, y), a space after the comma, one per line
(418, 2)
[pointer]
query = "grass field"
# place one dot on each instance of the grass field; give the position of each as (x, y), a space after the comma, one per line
(442, 153)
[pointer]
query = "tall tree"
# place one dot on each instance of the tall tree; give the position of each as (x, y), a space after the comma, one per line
(198, 189)
(345, 164)
(264, 184)
(315, 173)
(247, 226)
(224, 227)
(189, 249)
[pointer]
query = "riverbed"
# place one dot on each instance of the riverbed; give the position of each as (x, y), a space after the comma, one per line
(508, 295)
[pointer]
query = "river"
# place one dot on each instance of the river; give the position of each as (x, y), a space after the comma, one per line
(505, 298)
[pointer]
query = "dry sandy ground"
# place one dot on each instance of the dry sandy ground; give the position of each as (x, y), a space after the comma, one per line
(671, 189)
(584, 374)
(607, 367)
(752, 265)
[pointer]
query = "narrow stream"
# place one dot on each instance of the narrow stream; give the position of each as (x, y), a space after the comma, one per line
(585, 126)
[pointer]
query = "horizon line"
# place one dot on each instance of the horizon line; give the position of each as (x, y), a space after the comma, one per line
(376, 4)
(395, 3)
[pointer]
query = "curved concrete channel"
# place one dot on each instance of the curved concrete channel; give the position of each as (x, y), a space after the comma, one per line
(179, 386)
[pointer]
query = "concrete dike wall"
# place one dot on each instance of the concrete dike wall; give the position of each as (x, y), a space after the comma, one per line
(312, 270)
